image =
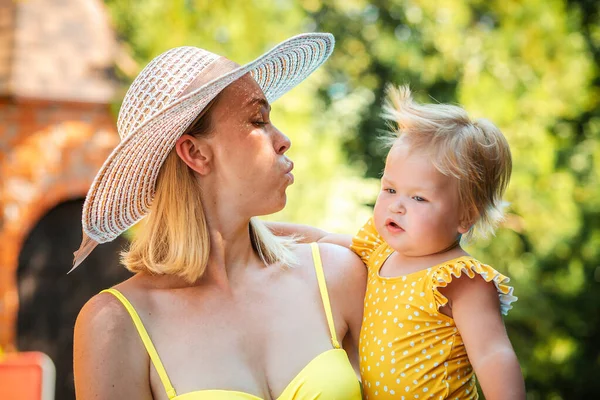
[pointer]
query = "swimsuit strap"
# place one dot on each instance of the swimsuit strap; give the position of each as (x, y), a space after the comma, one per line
(147, 342)
(324, 295)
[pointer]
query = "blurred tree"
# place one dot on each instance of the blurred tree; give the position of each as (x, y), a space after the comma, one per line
(531, 67)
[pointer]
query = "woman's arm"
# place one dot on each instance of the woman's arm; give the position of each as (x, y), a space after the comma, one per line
(476, 311)
(109, 361)
(347, 278)
(309, 234)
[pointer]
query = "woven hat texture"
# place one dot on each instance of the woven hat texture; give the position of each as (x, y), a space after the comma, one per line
(156, 111)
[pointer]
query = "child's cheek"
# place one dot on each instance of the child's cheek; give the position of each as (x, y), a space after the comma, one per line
(424, 219)
(379, 215)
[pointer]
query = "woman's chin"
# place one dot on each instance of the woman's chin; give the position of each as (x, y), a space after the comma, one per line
(281, 204)
(273, 206)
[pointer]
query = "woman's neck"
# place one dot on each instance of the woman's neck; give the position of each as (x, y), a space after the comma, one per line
(231, 251)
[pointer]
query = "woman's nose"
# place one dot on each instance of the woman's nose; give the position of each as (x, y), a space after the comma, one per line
(281, 143)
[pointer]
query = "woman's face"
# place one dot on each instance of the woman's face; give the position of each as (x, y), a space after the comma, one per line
(249, 171)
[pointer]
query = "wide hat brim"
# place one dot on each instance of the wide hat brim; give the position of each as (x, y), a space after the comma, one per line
(123, 189)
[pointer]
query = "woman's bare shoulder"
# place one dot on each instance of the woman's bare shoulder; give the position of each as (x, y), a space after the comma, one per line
(341, 266)
(104, 323)
(342, 263)
(103, 310)
(108, 357)
(346, 278)
(304, 265)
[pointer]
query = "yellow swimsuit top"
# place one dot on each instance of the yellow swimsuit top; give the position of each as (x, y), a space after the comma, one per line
(327, 376)
(408, 349)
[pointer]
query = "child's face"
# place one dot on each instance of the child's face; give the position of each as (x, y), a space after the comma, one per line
(417, 211)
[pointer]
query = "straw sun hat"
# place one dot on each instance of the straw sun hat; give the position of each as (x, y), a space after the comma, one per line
(164, 99)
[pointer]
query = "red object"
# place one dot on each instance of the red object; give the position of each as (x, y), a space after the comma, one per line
(26, 376)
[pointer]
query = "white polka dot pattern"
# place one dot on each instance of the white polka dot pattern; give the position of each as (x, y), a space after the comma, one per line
(408, 349)
(156, 110)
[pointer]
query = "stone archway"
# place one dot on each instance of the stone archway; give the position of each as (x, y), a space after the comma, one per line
(49, 300)
(50, 166)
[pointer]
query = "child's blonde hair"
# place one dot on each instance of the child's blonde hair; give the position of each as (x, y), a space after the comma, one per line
(474, 152)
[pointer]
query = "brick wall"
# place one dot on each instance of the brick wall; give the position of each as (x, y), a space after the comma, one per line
(49, 152)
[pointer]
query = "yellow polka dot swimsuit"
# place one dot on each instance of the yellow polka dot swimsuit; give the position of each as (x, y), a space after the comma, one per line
(409, 350)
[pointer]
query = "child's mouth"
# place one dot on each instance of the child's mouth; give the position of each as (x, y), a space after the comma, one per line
(393, 227)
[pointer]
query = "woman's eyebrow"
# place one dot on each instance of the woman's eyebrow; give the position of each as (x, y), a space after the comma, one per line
(258, 100)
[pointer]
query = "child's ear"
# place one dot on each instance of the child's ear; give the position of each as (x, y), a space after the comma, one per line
(464, 228)
(195, 152)
(467, 222)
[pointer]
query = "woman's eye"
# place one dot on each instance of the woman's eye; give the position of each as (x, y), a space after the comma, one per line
(261, 118)
(418, 198)
(261, 121)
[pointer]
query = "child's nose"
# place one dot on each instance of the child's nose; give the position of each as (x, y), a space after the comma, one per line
(398, 207)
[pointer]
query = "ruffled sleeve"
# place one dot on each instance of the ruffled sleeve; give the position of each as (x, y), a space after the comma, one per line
(366, 241)
(444, 273)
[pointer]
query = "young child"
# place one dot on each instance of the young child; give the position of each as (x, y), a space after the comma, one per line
(432, 312)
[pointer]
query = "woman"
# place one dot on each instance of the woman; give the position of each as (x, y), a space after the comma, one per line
(224, 310)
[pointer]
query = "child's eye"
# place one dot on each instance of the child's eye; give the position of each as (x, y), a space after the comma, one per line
(418, 198)
(390, 191)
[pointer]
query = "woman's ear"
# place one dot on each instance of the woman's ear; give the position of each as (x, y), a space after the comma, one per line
(195, 152)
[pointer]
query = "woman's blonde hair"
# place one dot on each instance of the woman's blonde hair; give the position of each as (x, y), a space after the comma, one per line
(173, 238)
(475, 152)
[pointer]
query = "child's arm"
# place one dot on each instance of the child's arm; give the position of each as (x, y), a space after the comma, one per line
(475, 308)
(309, 234)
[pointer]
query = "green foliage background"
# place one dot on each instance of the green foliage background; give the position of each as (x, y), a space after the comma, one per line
(532, 67)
